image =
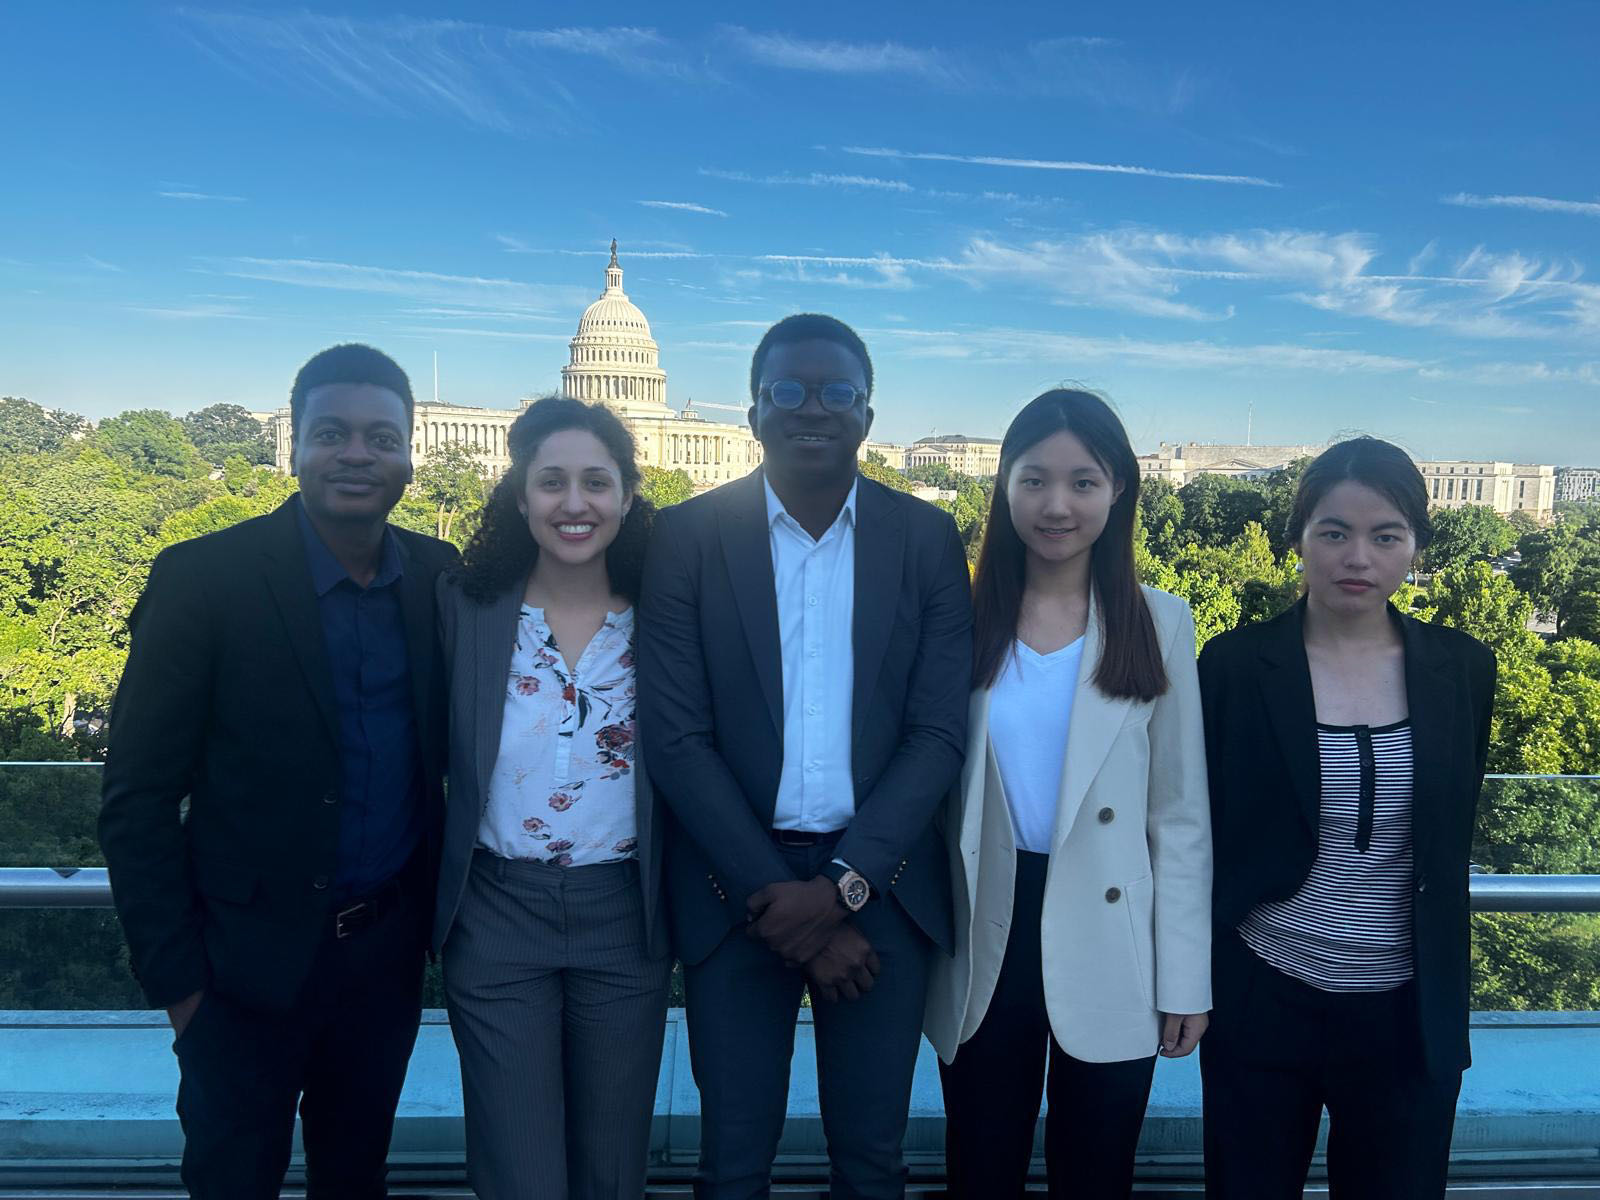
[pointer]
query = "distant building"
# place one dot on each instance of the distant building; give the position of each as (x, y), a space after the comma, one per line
(969, 455)
(1575, 485)
(1503, 486)
(1180, 462)
(893, 456)
(613, 360)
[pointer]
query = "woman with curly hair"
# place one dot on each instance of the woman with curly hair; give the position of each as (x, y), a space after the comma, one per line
(548, 918)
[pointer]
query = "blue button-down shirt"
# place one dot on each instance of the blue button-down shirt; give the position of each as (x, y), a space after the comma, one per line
(380, 822)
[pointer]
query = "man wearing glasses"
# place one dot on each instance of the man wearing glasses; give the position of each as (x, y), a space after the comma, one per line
(805, 651)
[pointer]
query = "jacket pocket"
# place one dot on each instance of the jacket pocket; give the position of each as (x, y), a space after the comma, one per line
(1140, 897)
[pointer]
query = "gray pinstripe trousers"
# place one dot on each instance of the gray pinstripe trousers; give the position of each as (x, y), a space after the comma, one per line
(558, 1014)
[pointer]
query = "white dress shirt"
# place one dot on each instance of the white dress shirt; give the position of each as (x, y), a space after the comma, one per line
(1030, 712)
(816, 586)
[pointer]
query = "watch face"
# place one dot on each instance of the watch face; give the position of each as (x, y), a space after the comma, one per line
(855, 892)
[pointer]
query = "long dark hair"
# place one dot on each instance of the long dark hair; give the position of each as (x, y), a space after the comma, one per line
(502, 551)
(1371, 462)
(1130, 656)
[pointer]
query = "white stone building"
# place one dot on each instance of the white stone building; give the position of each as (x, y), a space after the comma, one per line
(1180, 462)
(973, 456)
(1503, 486)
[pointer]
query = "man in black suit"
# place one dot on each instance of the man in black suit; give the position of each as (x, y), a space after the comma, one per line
(284, 679)
(805, 662)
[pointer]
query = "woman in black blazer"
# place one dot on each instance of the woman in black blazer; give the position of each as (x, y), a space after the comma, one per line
(1346, 744)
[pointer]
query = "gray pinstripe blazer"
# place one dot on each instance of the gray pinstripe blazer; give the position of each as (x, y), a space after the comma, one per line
(478, 639)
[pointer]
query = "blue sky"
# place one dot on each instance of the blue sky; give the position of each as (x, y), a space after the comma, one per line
(1375, 217)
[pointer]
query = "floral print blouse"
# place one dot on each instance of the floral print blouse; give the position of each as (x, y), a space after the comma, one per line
(562, 787)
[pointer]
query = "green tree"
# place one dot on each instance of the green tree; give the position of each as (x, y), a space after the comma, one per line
(1465, 534)
(882, 473)
(1472, 598)
(1280, 488)
(1216, 508)
(150, 441)
(28, 428)
(1580, 603)
(664, 488)
(446, 495)
(938, 474)
(1162, 514)
(219, 431)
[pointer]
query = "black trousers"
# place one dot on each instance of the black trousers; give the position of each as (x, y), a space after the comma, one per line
(1282, 1052)
(741, 1005)
(341, 1054)
(992, 1090)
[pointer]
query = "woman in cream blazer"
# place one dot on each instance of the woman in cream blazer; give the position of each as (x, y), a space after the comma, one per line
(1083, 897)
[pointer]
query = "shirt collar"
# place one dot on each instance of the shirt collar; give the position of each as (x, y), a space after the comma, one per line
(327, 572)
(775, 508)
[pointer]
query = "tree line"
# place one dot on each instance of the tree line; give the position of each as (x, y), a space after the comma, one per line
(86, 508)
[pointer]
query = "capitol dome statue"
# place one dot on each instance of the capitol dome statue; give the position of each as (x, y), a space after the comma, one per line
(614, 358)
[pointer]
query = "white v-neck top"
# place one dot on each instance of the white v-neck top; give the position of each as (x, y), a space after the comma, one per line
(1030, 712)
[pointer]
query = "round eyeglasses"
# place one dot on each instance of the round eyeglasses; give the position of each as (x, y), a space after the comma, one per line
(791, 394)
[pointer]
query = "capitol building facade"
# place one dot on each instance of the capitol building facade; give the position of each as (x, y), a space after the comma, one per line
(613, 360)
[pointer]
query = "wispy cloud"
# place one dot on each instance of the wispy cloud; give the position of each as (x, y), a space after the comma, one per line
(1096, 70)
(683, 206)
(791, 53)
(1046, 164)
(193, 312)
(814, 179)
(213, 196)
(462, 291)
(1061, 351)
(491, 76)
(512, 335)
(101, 264)
(1577, 208)
(515, 245)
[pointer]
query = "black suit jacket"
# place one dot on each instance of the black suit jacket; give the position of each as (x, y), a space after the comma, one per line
(711, 702)
(1261, 748)
(227, 699)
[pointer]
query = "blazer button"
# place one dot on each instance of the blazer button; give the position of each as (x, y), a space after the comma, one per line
(320, 883)
(1113, 895)
(1106, 816)
(1422, 884)
(330, 797)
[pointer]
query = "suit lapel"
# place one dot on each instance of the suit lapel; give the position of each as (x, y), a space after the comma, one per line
(880, 550)
(1096, 721)
(495, 632)
(417, 615)
(1431, 699)
(289, 583)
(747, 550)
(1291, 708)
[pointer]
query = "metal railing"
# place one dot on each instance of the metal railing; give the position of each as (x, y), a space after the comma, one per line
(89, 887)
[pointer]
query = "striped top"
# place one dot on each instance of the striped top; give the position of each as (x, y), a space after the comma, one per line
(1348, 928)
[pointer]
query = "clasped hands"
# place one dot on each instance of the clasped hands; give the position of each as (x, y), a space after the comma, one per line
(805, 923)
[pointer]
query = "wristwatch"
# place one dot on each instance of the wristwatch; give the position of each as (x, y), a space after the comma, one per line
(854, 890)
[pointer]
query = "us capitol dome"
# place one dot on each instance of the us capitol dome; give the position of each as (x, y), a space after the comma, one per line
(614, 358)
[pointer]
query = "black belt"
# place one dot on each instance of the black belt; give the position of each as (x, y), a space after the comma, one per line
(806, 837)
(363, 912)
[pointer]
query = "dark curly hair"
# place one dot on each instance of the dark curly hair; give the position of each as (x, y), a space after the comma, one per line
(502, 551)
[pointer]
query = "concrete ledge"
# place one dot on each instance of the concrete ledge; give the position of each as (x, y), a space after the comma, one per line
(87, 1097)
